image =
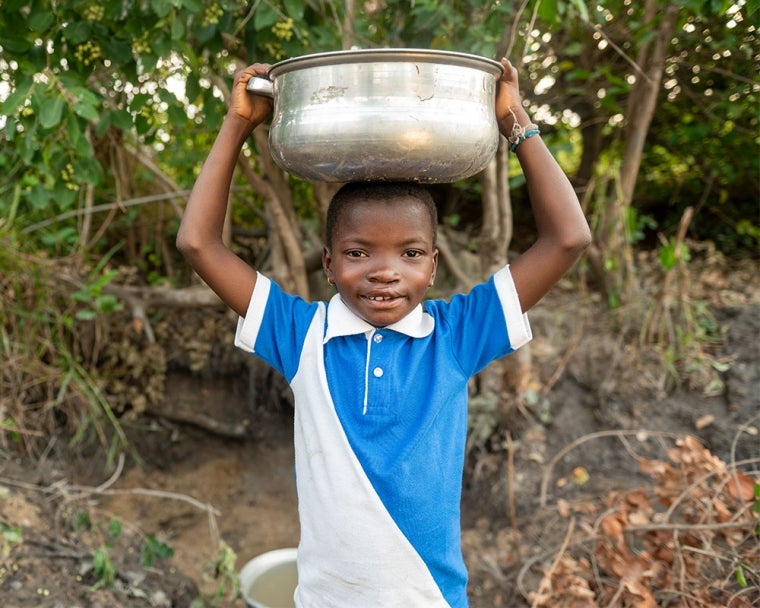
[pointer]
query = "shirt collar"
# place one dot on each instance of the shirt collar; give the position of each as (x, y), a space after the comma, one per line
(341, 321)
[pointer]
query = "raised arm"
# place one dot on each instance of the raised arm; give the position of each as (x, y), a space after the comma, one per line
(563, 232)
(200, 233)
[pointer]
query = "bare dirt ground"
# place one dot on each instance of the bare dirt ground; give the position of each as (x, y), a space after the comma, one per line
(596, 453)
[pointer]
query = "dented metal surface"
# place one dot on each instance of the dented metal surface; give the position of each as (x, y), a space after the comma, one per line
(383, 114)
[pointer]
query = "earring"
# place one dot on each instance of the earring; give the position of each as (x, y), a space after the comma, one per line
(330, 282)
(432, 281)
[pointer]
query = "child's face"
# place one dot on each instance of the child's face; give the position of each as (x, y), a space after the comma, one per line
(382, 258)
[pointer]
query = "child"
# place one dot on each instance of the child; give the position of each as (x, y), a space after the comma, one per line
(379, 375)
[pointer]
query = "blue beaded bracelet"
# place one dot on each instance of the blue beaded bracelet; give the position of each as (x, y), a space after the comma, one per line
(523, 137)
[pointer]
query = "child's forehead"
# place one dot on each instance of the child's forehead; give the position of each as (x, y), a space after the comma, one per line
(396, 210)
(401, 205)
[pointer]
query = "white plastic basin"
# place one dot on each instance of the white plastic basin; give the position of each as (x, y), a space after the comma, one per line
(269, 580)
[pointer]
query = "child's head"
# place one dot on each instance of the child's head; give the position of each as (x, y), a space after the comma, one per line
(356, 192)
(380, 248)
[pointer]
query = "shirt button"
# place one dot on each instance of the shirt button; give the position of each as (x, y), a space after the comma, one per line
(378, 338)
(377, 372)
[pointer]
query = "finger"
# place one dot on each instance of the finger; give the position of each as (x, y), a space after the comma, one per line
(256, 69)
(510, 72)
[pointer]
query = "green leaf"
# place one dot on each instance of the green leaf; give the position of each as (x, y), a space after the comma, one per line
(582, 9)
(178, 29)
(13, 101)
(548, 11)
(118, 51)
(154, 548)
(87, 169)
(176, 115)
(294, 9)
(16, 46)
(264, 17)
(740, 578)
(139, 101)
(122, 119)
(103, 567)
(161, 7)
(192, 87)
(86, 315)
(40, 22)
(114, 528)
(86, 111)
(107, 303)
(147, 62)
(51, 112)
(76, 138)
(77, 32)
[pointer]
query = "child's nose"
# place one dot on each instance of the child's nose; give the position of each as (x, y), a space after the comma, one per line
(384, 271)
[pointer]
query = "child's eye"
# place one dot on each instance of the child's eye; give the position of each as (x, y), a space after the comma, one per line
(414, 253)
(354, 253)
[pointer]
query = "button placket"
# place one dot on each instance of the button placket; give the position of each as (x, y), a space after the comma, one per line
(375, 402)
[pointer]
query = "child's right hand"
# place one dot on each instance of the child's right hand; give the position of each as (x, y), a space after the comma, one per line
(253, 109)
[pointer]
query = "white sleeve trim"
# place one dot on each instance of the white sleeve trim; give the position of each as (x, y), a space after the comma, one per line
(518, 326)
(248, 326)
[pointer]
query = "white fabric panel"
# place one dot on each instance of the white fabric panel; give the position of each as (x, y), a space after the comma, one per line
(351, 554)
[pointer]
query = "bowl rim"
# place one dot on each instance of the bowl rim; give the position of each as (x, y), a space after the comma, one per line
(353, 56)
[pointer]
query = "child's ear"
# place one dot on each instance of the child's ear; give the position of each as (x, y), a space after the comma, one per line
(327, 264)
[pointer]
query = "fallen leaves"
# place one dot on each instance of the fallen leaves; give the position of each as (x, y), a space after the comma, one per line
(692, 539)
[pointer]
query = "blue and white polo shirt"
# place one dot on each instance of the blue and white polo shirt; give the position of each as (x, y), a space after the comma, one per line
(380, 432)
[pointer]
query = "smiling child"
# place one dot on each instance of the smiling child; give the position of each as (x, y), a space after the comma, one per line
(379, 374)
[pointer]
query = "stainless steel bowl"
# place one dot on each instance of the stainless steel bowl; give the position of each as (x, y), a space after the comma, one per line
(383, 114)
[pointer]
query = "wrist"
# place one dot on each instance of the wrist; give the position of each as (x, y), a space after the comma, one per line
(516, 127)
(514, 116)
(238, 126)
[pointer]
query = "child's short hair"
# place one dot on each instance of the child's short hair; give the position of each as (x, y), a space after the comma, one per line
(377, 192)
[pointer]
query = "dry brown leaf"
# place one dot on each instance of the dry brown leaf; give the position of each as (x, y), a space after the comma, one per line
(612, 527)
(745, 489)
(721, 510)
(563, 508)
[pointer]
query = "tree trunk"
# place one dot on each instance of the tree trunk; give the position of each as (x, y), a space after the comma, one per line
(613, 250)
(508, 378)
(643, 99)
(289, 269)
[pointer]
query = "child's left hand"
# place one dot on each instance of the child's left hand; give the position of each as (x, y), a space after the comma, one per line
(508, 98)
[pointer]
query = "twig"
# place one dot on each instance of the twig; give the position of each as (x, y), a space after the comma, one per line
(580, 441)
(598, 28)
(113, 478)
(691, 527)
(511, 493)
(513, 31)
(565, 360)
(141, 200)
(88, 491)
(450, 259)
(560, 553)
(63, 488)
(529, 564)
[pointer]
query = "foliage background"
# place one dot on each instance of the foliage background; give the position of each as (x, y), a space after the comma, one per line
(107, 111)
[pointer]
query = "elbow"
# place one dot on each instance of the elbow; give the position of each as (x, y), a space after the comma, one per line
(582, 240)
(182, 243)
(576, 242)
(188, 246)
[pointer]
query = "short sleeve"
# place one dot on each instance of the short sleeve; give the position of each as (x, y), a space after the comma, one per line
(485, 324)
(275, 326)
